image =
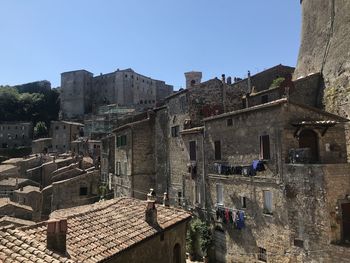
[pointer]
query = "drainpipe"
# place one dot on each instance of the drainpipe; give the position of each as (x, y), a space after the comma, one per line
(203, 170)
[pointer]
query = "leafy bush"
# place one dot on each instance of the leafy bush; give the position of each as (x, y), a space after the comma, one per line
(276, 83)
(198, 229)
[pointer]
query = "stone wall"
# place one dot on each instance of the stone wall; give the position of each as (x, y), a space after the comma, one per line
(136, 159)
(159, 248)
(325, 48)
(68, 193)
(263, 80)
(268, 231)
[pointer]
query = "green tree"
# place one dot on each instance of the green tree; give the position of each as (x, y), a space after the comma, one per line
(40, 130)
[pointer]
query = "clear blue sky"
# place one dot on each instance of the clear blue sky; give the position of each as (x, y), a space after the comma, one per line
(162, 39)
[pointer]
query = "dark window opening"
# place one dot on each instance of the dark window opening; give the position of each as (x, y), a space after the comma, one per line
(175, 131)
(162, 237)
(193, 152)
(83, 190)
(265, 99)
(179, 198)
(346, 222)
(265, 147)
(56, 127)
(262, 256)
(308, 139)
(217, 147)
(243, 202)
(229, 122)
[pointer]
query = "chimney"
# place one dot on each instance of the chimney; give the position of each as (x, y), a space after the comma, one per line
(151, 210)
(249, 83)
(57, 235)
(229, 81)
(223, 78)
(165, 199)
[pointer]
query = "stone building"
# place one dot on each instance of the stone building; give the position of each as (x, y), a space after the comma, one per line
(325, 49)
(118, 230)
(15, 134)
(9, 185)
(134, 157)
(29, 196)
(78, 189)
(82, 93)
(63, 133)
(300, 149)
(12, 209)
(108, 161)
(105, 120)
(42, 145)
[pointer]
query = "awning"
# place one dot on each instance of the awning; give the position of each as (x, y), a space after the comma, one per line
(324, 125)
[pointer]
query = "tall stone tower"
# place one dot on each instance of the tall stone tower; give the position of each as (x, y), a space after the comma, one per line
(325, 48)
(192, 78)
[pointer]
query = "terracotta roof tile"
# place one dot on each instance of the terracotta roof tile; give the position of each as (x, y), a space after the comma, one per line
(95, 232)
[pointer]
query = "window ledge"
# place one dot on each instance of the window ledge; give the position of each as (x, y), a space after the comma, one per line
(268, 214)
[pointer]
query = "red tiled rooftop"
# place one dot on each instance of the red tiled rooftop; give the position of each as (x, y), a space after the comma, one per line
(98, 231)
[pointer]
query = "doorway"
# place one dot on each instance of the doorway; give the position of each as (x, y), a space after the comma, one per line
(345, 208)
(309, 139)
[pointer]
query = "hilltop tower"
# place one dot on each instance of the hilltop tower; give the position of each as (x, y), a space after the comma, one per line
(325, 48)
(192, 78)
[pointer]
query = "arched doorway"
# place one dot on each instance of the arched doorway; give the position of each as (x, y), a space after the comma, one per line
(177, 253)
(309, 139)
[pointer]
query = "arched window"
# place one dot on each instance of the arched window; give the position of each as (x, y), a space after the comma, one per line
(309, 139)
(177, 253)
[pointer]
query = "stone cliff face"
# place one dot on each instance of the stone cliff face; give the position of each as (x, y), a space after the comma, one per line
(325, 48)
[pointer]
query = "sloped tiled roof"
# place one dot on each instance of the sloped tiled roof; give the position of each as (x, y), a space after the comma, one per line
(15, 247)
(99, 231)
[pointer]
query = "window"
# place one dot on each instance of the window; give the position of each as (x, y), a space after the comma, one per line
(121, 140)
(56, 127)
(179, 198)
(193, 153)
(217, 147)
(83, 190)
(175, 131)
(267, 202)
(162, 236)
(262, 256)
(243, 202)
(244, 103)
(229, 122)
(219, 194)
(265, 99)
(265, 147)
